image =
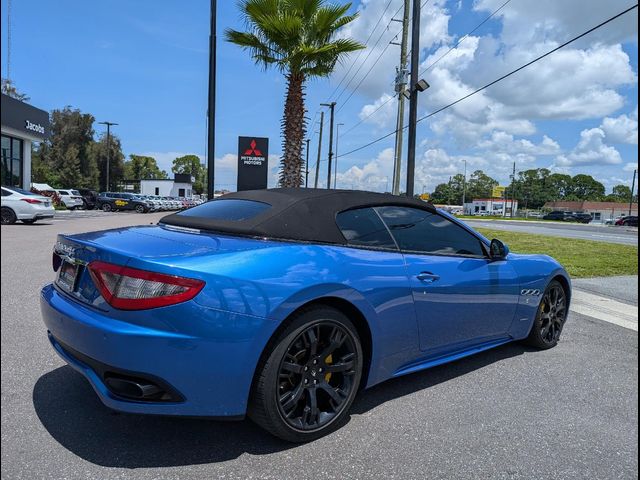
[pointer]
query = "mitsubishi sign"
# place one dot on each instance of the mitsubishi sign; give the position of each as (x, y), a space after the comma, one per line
(253, 163)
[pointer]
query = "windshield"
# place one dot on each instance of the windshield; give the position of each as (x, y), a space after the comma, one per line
(227, 209)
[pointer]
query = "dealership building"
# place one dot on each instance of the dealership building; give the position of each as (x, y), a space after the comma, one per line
(491, 206)
(180, 186)
(600, 211)
(21, 125)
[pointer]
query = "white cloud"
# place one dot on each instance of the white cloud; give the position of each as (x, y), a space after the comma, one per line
(504, 143)
(630, 167)
(622, 129)
(591, 150)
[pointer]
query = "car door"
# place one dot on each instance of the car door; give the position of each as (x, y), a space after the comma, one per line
(461, 296)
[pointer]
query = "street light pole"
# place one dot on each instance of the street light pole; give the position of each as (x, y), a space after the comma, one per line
(464, 185)
(211, 110)
(306, 176)
(413, 98)
(633, 186)
(315, 183)
(109, 125)
(335, 170)
(331, 106)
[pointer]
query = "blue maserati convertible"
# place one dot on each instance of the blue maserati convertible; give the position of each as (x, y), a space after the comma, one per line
(282, 304)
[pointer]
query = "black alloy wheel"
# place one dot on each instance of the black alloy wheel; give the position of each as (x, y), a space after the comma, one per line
(307, 384)
(7, 216)
(550, 319)
(106, 207)
(140, 209)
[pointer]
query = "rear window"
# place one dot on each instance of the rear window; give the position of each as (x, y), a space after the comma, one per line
(18, 190)
(227, 209)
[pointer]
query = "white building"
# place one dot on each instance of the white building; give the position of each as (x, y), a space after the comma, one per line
(491, 206)
(180, 186)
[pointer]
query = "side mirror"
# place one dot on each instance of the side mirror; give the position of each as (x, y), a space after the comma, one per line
(498, 250)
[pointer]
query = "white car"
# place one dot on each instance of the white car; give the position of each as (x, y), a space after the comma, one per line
(71, 199)
(18, 204)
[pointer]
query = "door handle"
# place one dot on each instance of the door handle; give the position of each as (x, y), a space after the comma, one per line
(427, 277)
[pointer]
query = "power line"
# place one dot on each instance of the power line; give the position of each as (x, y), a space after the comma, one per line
(462, 39)
(365, 76)
(371, 50)
(366, 42)
(498, 79)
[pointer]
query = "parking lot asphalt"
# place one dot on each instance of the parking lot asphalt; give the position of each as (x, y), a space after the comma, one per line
(598, 233)
(512, 412)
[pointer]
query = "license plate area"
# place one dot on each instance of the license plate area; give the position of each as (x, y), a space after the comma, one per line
(67, 276)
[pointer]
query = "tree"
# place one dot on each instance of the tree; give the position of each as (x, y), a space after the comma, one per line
(298, 38)
(620, 193)
(8, 88)
(70, 129)
(190, 164)
(480, 185)
(98, 154)
(142, 167)
(70, 173)
(585, 187)
(559, 186)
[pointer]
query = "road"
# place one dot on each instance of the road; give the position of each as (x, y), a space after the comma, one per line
(599, 233)
(512, 413)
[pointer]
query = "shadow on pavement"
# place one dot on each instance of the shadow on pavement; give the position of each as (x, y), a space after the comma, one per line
(74, 416)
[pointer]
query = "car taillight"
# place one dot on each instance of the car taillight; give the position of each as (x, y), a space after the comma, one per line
(132, 289)
(31, 200)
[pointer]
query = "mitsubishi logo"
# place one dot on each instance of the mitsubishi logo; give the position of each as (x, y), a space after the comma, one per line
(253, 150)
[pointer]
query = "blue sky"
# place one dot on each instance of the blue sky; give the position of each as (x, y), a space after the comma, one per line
(144, 65)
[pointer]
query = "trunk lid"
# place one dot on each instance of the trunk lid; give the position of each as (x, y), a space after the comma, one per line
(156, 248)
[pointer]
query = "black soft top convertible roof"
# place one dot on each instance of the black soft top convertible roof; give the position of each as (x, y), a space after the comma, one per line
(303, 214)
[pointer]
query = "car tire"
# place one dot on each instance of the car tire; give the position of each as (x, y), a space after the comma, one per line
(107, 207)
(140, 209)
(309, 395)
(550, 317)
(8, 216)
(29, 221)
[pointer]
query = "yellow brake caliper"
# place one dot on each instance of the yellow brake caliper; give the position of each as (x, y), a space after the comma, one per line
(328, 361)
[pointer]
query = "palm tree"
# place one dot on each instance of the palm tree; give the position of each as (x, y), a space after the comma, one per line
(298, 38)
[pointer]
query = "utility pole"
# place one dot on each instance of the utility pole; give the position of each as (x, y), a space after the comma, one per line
(513, 188)
(401, 84)
(335, 169)
(413, 99)
(315, 185)
(633, 187)
(464, 185)
(306, 176)
(109, 125)
(331, 106)
(211, 110)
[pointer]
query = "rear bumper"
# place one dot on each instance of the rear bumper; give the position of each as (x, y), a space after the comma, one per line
(36, 214)
(211, 373)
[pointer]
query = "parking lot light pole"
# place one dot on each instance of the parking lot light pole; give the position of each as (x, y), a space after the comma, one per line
(332, 107)
(335, 165)
(633, 187)
(211, 109)
(109, 125)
